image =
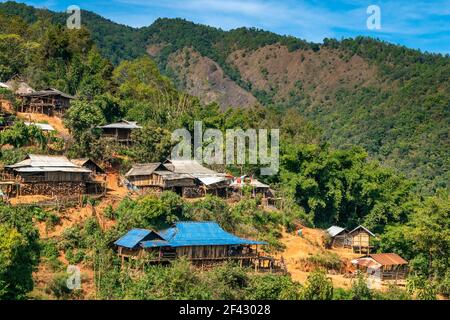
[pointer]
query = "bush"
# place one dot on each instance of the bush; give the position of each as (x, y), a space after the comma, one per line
(359, 290)
(75, 256)
(108, 212)
(50, 254)
(58, 288)
(317, 287)
(273, 287)
(341, 294)
(392, 293)
(327, 260)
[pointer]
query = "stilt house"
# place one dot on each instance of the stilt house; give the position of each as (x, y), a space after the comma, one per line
(202, 243)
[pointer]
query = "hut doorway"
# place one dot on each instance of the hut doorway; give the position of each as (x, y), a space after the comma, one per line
(178, 191)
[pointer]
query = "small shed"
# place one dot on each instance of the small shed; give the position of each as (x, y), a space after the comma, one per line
(382, 267)
(207, 181)
(120, 131)
(155, 178)
(256, 186)
(339, 237)
(361, 239)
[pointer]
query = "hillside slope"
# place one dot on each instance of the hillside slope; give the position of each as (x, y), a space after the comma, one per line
(393, 101)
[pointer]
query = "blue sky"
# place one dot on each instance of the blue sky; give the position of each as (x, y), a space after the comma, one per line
(422, 24)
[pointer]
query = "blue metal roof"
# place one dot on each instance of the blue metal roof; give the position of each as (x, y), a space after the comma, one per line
(202, 234)
(132, 238)
(185, 234)
(155, 244)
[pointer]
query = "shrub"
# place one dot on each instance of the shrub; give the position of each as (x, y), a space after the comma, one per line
(108, 212)
(359, 290)
(317, 287)
(327, 260)
(273, 287)
(75, 256)
(50, 254)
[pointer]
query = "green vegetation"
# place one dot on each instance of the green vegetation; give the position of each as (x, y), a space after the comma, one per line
(19, 251)
(401, 119)
(343, 187)
(385, 163)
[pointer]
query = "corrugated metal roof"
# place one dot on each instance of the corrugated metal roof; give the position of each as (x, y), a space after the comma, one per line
(50, 161)
(190, 167)
(124, 124)
(154, 244)
(388, 259)
(143, 169)
(185, 234)
(334, 230)
(132, 238)
(170, 176)
(210, 180)
(367, 262)
(44, 163)
(364, 228)
(48, 92)
(202, 233)
(253, 183)
(53, 169)
(42, 126)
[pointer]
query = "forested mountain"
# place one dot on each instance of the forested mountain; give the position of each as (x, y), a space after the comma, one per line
(341, 106)
(393, 101)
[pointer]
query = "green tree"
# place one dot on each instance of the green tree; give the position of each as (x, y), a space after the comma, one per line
(151, 144)
(19, 251)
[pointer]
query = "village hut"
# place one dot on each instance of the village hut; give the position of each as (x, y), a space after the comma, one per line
(339, 237)
(382, 268)
(202, 243)
(47, 175)
(361, 239)
(51, 102)
(207, 181)
(120, 131)
(257, 187)
(155, 178)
